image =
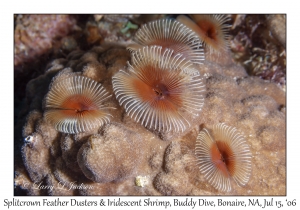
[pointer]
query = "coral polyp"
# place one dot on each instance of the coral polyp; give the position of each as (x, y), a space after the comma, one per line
(222, 154)
(211, 29)
(158, 89)
(76, 104)
(170, 34)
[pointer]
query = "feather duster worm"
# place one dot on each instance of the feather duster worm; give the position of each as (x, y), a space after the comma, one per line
(222, 154)
(158, 90)
(170, 34)
(76, 104)
(211, 29)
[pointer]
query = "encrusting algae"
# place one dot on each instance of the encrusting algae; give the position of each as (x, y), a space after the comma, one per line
(154, 120)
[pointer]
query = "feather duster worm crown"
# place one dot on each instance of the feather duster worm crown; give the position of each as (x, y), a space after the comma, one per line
(173, 35)
(76, 104)
(158, 90)
(221, 154)
(211, 29)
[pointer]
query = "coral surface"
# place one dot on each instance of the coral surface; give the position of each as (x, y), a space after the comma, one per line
(259, 44)
(36, 34)
(125, 158)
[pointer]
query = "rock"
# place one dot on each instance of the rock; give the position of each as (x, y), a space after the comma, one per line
(108, 160)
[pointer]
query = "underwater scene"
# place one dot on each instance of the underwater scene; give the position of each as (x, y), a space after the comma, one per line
(150, 104)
